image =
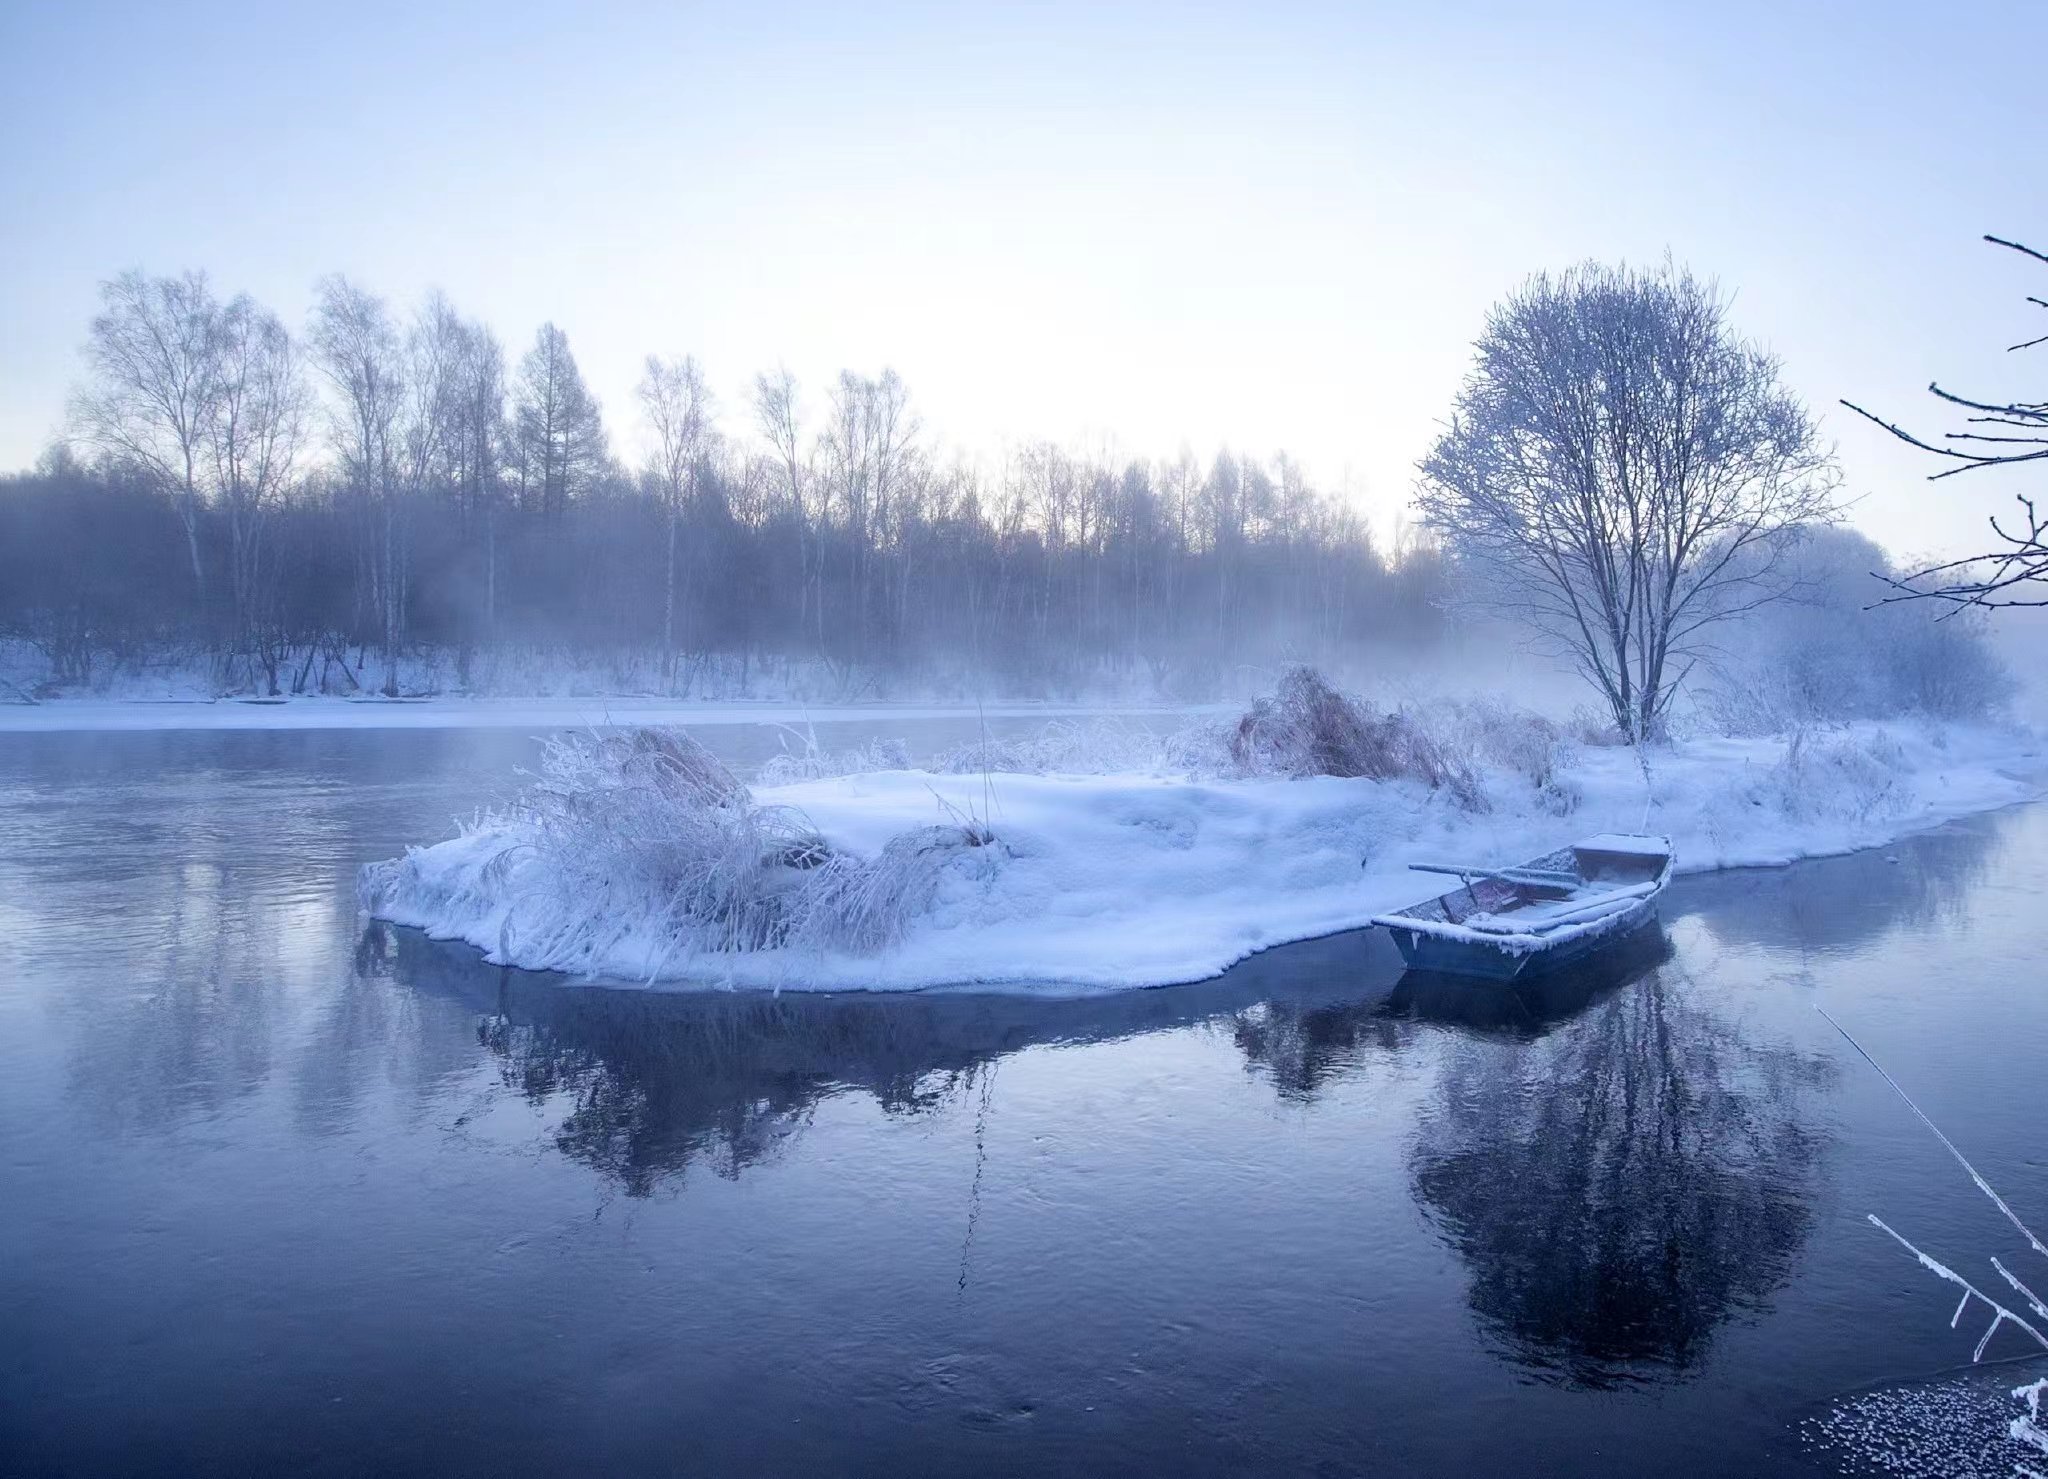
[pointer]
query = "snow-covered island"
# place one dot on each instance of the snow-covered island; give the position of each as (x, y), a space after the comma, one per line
(1106, 856)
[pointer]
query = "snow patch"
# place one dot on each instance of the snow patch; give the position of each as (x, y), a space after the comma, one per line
(1080, 882)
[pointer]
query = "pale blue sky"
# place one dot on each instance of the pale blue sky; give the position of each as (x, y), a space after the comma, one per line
(1271, 226)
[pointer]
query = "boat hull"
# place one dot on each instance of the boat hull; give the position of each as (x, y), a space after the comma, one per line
(1422, 950)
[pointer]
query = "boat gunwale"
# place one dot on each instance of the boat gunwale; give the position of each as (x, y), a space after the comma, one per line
(1630, 908)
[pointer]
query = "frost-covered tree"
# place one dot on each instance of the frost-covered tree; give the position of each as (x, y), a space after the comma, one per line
(1829, 655)
(2014, 571)
(778, 416)
(558, 430)
(838, 534)
(1622, 472)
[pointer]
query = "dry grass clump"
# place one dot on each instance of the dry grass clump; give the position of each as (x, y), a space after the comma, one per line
(1306, 727)
(1514, 740)
(645, 841)
(651, 820)
(1848, 775)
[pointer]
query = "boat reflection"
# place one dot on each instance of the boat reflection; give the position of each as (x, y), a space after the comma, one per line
(1529, 1007)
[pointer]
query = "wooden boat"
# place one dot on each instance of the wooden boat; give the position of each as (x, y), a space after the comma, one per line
(1502, 923)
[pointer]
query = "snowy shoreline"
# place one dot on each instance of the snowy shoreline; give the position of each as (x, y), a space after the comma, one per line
(1083, 883)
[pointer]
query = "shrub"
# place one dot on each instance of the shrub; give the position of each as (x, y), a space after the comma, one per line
(1854, 776)
(1306, 727)
(1833, 656)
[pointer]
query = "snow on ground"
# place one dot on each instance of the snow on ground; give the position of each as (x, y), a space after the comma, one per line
(1081, 882)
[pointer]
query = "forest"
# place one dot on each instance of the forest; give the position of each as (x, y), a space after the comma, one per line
(319, 511)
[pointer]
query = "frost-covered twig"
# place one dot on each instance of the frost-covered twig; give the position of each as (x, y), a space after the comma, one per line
(2000, 1314)
(2033, 1300)
(1982, 1185)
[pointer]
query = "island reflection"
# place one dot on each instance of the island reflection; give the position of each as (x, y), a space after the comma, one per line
(1622, 1164)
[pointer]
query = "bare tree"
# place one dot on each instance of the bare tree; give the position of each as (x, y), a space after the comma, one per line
(678, 406)
(779, 417)
(2014, 572)
(1621, 473)
(869, 450)
(154, 360)
(358, 349)
(253, 440)
(477, 457)
(850, 539)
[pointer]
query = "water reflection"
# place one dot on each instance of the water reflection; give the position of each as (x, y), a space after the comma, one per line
(1530, 1007)
(1853, 901)
(1302, 1046)
(652, 1083)
(1623, 1186)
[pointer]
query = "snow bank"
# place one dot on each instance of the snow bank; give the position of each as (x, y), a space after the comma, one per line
(1133, 879)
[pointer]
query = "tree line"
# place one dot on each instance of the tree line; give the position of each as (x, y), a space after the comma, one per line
(297, 505)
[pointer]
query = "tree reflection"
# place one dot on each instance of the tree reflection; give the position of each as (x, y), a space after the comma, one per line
(1622, 1186)
(1301, 1047)
(649, 1084)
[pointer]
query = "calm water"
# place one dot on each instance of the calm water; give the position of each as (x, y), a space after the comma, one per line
(283, 1193)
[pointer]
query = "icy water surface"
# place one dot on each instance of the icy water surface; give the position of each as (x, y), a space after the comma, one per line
(285, 1194)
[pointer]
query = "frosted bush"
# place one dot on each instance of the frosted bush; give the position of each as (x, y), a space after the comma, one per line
(1306, 727)
(1201, 748)
(807, 762)
(1751, 703)
(1515, 740)
(862, 905)
(1834, 654)
(647, 833)
(1595, 731)
(1852, 776)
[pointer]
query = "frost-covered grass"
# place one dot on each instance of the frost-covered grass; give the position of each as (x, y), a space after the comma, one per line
(1103, 855)
(645, 843)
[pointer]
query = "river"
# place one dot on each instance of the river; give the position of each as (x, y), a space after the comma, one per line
(289, 1193)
